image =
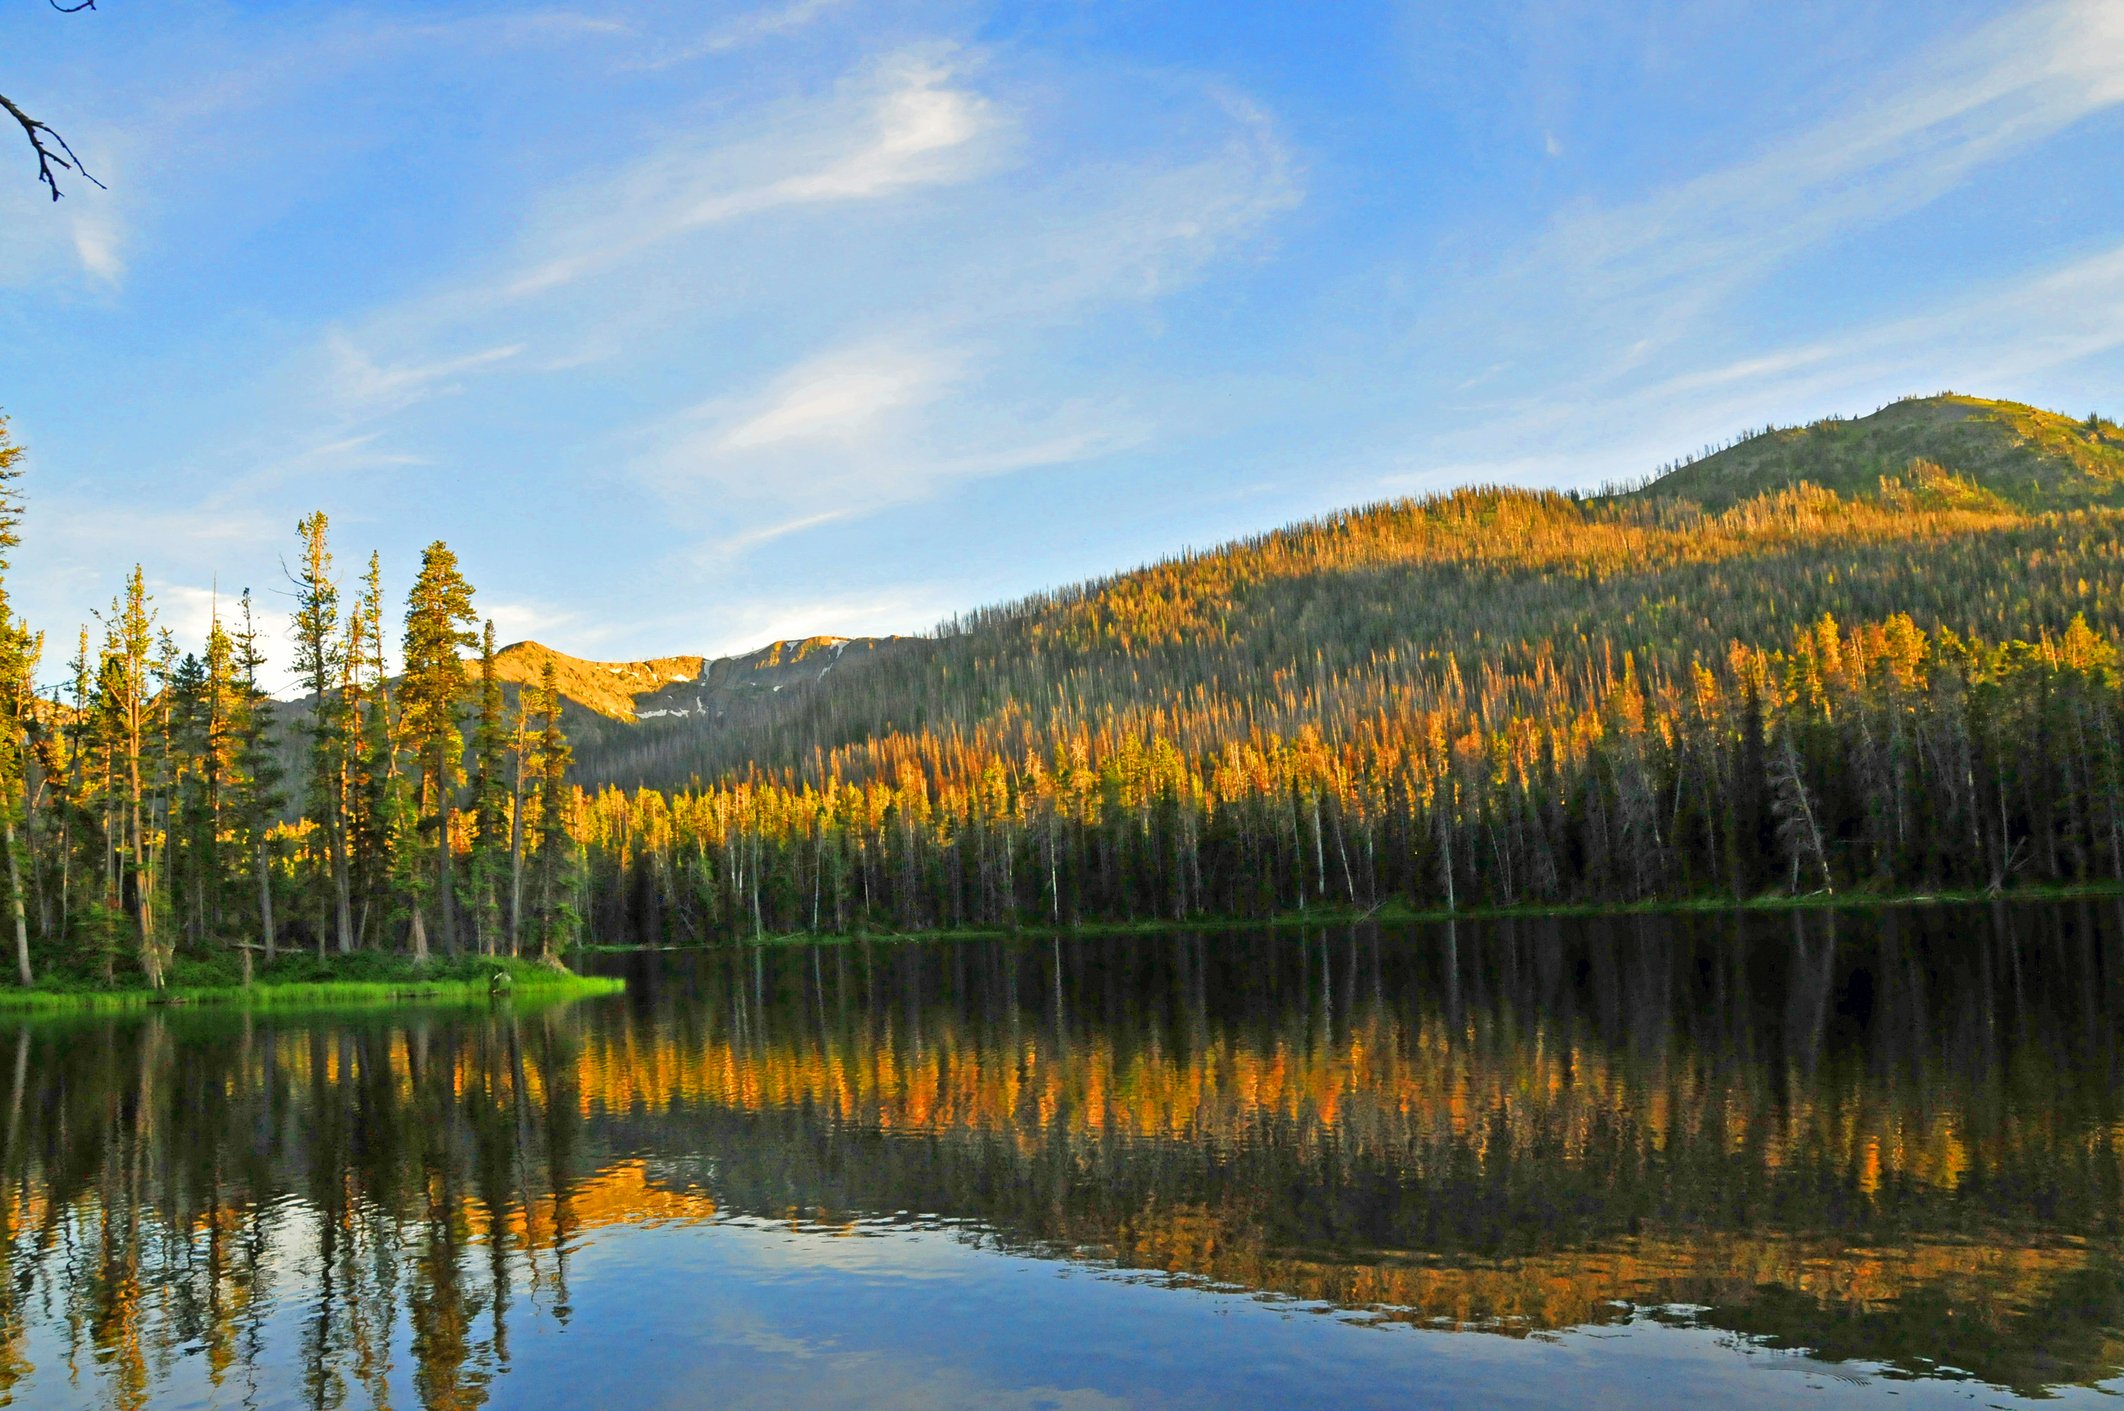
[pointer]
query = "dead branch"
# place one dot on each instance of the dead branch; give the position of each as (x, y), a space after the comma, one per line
(51, 149)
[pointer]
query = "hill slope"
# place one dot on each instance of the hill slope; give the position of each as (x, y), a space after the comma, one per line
(1975, 529)
(2023, 457)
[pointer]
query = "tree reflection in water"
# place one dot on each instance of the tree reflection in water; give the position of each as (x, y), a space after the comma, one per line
(1888, 1137)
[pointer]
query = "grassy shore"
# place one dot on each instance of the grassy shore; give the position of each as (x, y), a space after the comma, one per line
(304, 980)
(1398, 912)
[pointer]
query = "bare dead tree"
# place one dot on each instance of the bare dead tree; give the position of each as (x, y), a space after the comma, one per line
(52, 150)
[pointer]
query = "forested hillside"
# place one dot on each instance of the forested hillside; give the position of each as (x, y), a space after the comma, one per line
(1869, 653)
(1737, 546)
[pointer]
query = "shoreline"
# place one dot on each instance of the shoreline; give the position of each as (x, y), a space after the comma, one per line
(1401, 913)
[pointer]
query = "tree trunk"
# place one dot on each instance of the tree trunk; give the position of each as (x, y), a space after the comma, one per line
(143, 888)
(265, 900)
(342, 887)
(14, 881)
(516, 857)
(446, 894)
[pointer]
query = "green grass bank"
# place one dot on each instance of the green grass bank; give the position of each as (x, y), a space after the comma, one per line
(304, 980)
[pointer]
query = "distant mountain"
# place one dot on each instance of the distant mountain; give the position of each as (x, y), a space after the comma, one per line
(624, 717)
(617, 710)
(606, 688)
(1964, 449)
(684, 686)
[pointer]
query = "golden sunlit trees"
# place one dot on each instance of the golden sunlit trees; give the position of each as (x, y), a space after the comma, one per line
(1876, 756)
(18, 663)
(321, 664)
(438, 613)
(128, 715)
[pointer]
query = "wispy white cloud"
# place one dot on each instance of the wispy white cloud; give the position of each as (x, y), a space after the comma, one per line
(1653, 269)
(360, 384)
(960, 388)
(1994, 339)
(766, 22)
(930, 342)
(97, 246)
(843, 397)
(77, 242)
(596, 257)
(855, 430)
(521, 620)
(1612, 340)
(910, 122)
(348, 454)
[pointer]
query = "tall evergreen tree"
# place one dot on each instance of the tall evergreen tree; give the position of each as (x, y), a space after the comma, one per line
(128, 708)
(219, 768)
(320, 664)
(490, 798)
(529, 705)
(438, 612)
(18, 659)
(372, 769)
(557, 857)
(189, 837)
(79, 836)
(257, 773)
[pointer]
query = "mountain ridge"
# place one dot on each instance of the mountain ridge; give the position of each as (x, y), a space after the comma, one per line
(2025, 457)
(1828, 518)
(678, 687)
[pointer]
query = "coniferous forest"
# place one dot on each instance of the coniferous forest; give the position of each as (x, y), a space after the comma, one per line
(151, 818)
(1870, 656)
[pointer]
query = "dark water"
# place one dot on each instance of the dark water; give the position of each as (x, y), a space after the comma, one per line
(1869, 1159)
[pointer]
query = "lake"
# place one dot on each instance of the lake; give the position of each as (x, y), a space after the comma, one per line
(1836, 1159)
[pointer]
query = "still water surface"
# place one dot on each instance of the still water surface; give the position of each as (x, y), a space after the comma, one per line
(1868, 1159)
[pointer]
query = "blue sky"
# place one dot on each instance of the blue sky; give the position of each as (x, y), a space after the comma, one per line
(694, 325)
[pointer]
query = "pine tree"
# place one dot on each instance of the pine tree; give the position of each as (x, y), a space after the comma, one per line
(490, 798)
(528, 707)
(127, 708)
(256, 773)
(84, 828)
(374, 788)
(221, 742)
(433, 685)
(189, 838)
(557, 866)
(320, 664)
(18, 660)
